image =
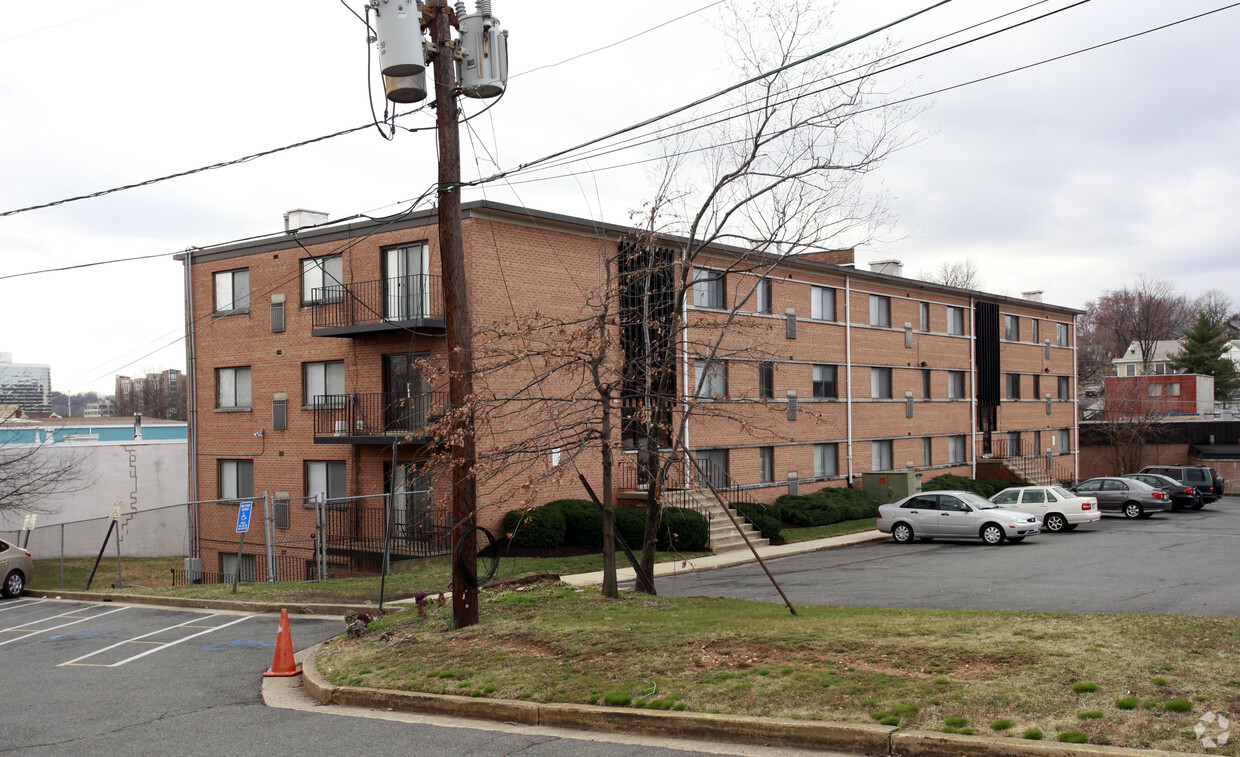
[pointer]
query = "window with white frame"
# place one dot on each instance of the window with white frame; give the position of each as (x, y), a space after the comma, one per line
(325, 479)
(232, 291)
(236, 479)
(955, 321)
(880, 454)
(822, 303)
(880, 383)
(1011, 328)
(766, 380)
(1033, 330)
(766, 465)
(826, 460)
(923, 316)
(955, 448)
(762, 292)
(322, 381)
(232, 387)
(1061, 334)
(955, 385)
(322, 279)
(1065, 441)
(708, 288)
(711, 377)
(880, 310)
(927, 452)
(824, 382)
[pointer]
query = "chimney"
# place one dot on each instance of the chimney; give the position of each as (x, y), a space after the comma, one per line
(300, 218)
(888, 267)
(1033, 296)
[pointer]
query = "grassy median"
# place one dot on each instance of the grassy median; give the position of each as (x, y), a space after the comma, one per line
(1124, 680)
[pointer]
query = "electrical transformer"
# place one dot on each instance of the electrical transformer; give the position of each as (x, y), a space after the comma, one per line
(482, 71)
(398, 26)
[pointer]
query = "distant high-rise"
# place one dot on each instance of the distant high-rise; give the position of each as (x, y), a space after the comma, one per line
(25, 384)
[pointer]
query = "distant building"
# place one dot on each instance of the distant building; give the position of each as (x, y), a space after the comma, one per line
(26, 384)
(105, 408)
(1178, 394)
(1130, 363)
(158, 395)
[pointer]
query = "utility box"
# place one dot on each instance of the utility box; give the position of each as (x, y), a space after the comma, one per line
(889, 486)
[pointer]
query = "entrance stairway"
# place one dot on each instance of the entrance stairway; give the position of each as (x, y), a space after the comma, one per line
(723, 535)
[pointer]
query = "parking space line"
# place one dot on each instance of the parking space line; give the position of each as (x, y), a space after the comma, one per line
(65, 614)
(22, 603)
(136, 638)
(54, 628)
(178, 641)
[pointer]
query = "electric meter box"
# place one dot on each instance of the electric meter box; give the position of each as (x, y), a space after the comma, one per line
(398, 26)
(889, 486)
(483, 69)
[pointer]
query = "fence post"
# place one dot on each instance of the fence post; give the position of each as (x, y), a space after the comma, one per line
(271, 555)
(320, 508)
(62, 556)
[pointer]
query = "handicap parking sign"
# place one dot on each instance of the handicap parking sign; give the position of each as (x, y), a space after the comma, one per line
(243, 517)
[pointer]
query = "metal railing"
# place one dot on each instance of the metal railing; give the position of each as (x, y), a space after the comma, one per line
(356, 530)
(1027, 458)
(378, 414)
(396, 299)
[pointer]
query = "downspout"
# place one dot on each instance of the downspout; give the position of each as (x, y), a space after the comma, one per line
(973, 388)
(191, 365)
(1076, 409)
(848, 369)
(686, 387)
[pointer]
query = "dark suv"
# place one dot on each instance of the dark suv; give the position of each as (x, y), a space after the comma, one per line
(1207, 480)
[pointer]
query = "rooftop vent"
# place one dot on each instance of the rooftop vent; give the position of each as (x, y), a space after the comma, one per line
(300, 218)
(1033, 296)
(889, 267)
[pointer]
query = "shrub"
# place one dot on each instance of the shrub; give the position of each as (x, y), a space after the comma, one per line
(583, 523)
(985, 487)
(1084, 687)
(537, 528)
(957, 722)
(827, 506)
(1089, 715)
(1127, 703)
(1002, 724)
(1179, 705)
(631, 526)
(767, 519)
(617, 698)
(683, 530)
(1073, 737)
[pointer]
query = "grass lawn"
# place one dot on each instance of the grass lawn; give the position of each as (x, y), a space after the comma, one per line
(1131, 680)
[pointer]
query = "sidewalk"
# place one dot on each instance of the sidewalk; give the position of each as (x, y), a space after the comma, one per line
(727, 559)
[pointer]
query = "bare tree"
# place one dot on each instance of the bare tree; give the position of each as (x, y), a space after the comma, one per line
(1130, 421)
(32, 474)
(1149, 311)
(962, 274)
(1215, 305)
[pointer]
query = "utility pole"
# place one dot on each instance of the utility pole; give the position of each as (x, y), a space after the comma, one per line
(456, 313)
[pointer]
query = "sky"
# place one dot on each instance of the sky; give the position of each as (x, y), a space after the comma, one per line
(1071, 177)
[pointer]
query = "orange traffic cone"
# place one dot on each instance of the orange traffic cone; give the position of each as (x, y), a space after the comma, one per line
(282, 664)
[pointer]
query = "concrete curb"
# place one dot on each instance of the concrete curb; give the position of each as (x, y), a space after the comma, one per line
(201, 604)
(737, 729)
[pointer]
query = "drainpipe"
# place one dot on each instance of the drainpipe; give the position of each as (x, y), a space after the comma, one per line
(1076, 409)
(191, 365)
(973, 386)
(848, 369)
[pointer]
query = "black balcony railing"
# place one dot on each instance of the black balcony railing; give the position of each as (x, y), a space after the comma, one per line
(356, 532)
(377, 418)
(1027, 456)
(384, 305)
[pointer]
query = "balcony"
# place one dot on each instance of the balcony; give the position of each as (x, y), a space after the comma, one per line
(375, 307)
(377, 418)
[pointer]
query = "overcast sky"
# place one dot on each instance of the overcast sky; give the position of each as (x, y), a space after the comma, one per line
(1070, 177)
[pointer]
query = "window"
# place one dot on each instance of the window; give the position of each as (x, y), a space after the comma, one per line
(279, 413)
(228, 566)
(277, 313)
(708, 288)
(923, 316)
(232, 387)
(955, 449)
(766, 380)
(822, 304)
(711, 377)
(1131, 370)
(280, 505)
(232, 291)
(955, 385)
(1013, 385)
(1173, 390)
(1013, 444)
(925, 383)
(236, 479)
(763, 294)
(824, 382)
(1061, 334)
(880, 310)
(712, 467)
(325, 478)
(1065, 386)
(955, 321)
(322, 279)
(826, 460)
(1065, 440)
(1011, 328)
(766, 464)
(880, 454)
(927, 447)
(1033, 326)
(1037, 442)
(1037, 386)
(322, 383)
(880, 383)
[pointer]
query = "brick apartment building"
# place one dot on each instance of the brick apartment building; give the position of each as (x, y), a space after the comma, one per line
(304, 352)
(156, 395)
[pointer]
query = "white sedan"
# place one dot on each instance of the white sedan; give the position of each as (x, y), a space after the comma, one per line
(1058, 508)
(954, 515)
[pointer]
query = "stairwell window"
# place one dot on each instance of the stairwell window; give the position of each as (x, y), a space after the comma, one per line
(766, 465)
(826, 460)
(708, 289)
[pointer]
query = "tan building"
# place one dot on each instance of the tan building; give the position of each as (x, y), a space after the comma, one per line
(306, 365)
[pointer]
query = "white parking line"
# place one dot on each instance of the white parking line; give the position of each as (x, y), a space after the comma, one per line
(162, 645)
(22, 603)
(54, 628)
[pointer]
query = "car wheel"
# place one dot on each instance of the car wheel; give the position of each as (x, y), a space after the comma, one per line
(1055, 522)
(992, 534)
(1198, 504)
(902, 533)
(13, 584)
(1133, 510)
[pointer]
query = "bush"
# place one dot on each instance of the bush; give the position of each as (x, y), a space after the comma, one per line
(631, 526)
(583, 523)
(683, 530)
(985, 487)
(537, 528)
(827, 506)
(766, 519)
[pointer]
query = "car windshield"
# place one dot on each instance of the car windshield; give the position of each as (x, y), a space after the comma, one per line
(1062, 492)
(979, 502)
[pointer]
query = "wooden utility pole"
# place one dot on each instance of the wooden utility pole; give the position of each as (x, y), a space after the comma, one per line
(456, 313)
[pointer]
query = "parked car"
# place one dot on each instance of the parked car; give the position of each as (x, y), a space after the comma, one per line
(1207, 480)
(1182, 495)
(1125, 495)
(16, 567)
(1059, 509)
(954, 515)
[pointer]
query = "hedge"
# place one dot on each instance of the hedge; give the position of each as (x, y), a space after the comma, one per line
(577, 522)
(583, 524)
(537, 527)
(985, 487)
(826, 506)
(766, 518)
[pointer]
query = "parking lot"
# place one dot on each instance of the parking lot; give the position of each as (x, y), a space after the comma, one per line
(1179, 563)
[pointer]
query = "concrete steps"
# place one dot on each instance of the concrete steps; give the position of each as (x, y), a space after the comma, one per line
(723, 535)
(1031, 469)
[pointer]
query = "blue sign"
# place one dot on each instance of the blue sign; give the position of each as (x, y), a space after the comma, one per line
(243, 517)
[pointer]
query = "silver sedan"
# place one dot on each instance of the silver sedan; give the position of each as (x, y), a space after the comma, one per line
(954, 515)
(1125, 495)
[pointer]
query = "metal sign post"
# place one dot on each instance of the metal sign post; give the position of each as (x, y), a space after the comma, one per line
(113, 519)
(243, 525)
(28, 526)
